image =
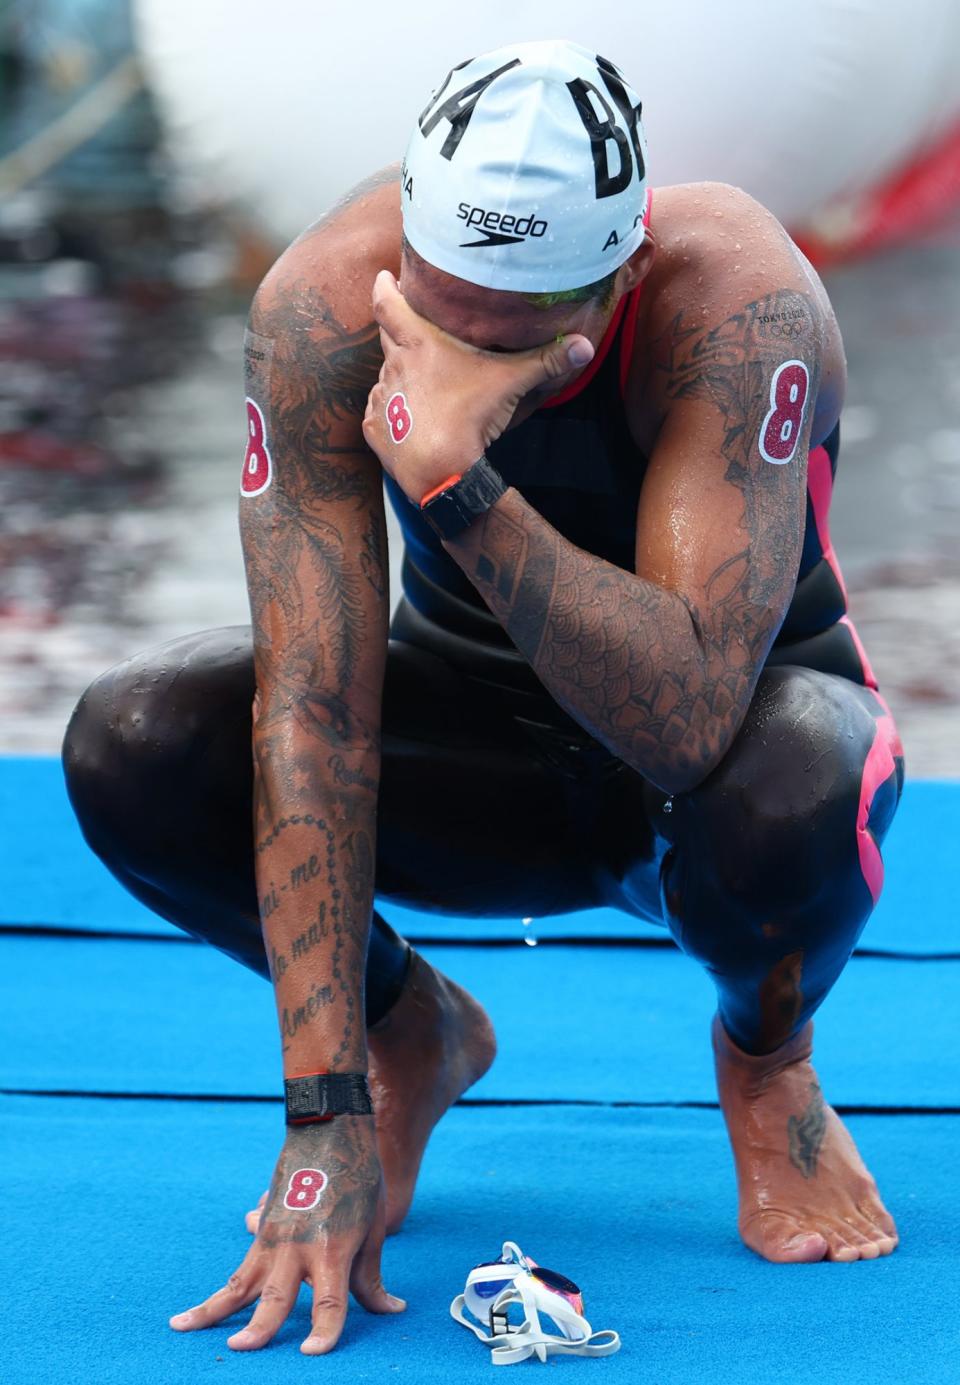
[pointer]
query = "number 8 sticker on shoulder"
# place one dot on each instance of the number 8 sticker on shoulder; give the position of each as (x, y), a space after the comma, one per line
(304, 1189)
(783, 424)
(257, 462)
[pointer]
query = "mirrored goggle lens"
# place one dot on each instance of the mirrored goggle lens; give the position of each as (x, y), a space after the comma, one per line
(557, 1282)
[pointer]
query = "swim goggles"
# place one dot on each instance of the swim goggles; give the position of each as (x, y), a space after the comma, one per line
(497, 1285)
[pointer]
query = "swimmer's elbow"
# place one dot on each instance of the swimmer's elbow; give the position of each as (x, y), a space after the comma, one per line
(680, 776)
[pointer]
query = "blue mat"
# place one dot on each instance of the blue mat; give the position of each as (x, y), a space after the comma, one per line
(110, 1015)
(110, 1227)
(638, 1206)
(59, 883)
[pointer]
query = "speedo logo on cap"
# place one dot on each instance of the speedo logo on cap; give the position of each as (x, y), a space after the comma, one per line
(499, 228)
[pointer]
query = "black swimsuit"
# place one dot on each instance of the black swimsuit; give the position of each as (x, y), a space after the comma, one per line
(492, 800)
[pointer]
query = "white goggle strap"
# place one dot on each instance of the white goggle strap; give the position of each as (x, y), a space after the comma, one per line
(529, 1339)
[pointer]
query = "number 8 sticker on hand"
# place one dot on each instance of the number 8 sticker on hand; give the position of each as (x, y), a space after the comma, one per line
(304, 1189)
(399, 417)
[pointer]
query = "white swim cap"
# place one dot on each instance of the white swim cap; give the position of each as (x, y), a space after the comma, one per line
(527, 170)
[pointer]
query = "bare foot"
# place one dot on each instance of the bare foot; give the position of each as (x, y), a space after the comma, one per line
(805, 1193)
(424, 1054)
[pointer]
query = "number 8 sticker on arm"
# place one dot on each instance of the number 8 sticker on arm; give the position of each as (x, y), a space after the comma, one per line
(257, 461)
(781, 429)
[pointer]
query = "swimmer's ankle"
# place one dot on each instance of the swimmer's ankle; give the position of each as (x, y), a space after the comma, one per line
(762, 1067)
(412, 978)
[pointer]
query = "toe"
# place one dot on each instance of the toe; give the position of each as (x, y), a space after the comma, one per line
(806, 1248)
(863, 1240)
(784, 1243)
(868, 1227)
(841, 1243)
(879, 1217)
(883, 1229)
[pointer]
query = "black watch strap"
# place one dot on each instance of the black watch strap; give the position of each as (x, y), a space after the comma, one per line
(319, 1096)
(455, 508)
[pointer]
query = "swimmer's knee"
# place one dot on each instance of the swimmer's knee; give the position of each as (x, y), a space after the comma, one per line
(105, 752)
(782, 806)
(137, 727)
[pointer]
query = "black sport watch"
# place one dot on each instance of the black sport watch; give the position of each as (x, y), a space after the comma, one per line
(455, 504)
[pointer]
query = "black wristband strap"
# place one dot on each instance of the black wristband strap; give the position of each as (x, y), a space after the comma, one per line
(319, 1096)
(453, 509)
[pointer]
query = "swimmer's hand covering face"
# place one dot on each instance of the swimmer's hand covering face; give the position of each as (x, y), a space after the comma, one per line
(440, 403)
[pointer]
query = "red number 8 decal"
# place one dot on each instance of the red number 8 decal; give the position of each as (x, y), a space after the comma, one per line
(399, 418)
(304, 1189)
(257, 462)
(781, 427)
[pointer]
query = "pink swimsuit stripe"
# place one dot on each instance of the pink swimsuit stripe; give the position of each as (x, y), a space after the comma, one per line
(879, 764)
(820, 489)
(877, 769)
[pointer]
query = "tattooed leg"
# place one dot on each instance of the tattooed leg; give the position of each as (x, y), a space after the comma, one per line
(763, 884)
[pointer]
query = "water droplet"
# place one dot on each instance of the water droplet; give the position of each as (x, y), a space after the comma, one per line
(668, 806)
(526, 922)
(530, 942)
(737, 246)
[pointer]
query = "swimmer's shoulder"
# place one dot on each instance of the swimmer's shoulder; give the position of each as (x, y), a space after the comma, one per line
(718, 250)
(323, 281)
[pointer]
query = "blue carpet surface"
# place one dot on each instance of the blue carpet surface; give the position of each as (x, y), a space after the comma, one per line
(110, 1225)
(111, 1015)
(59, 883)
(639, 1207)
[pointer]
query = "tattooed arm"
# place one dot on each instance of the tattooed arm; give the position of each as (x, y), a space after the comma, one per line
(312, 526)
(313, 544)
(660, 665)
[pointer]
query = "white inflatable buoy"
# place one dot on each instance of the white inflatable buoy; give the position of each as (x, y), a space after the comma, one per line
(280, 108)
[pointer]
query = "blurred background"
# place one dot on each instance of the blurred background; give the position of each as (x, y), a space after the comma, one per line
(156, 156)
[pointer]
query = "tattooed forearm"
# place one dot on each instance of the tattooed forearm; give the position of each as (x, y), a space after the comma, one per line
(311, 539)
(598, 638)
(311, 937)
(317, 966)
(359, 865)
(292, 1021)
(373, 557)
(343, 774)
(314, 549)
(305, 871)
(664, 679)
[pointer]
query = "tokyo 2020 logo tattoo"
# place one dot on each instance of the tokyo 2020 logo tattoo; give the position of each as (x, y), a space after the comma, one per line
(399, 417)
(783, 424)
(304, 1189)
(257, 462)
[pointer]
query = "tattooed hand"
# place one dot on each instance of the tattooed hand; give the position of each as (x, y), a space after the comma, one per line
(439, 402)
(323, 1224)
